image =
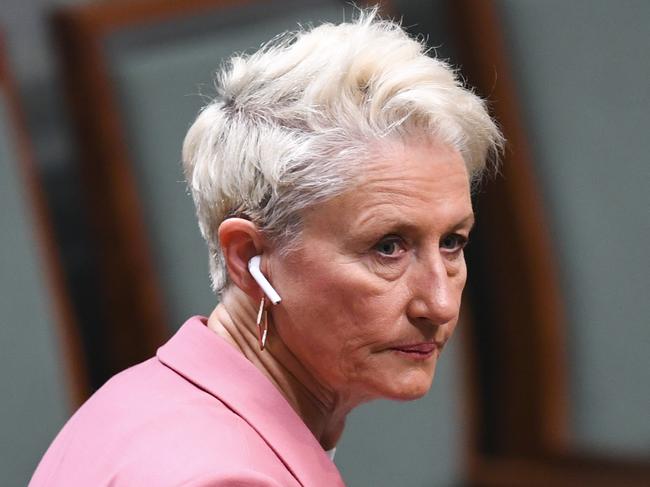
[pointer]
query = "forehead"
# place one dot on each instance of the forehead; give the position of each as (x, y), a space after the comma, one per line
(416, 182)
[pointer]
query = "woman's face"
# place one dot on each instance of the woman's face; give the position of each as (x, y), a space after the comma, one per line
(373, 292)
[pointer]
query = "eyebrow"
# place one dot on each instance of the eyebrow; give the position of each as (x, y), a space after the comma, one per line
(469, 219)
(398, 224)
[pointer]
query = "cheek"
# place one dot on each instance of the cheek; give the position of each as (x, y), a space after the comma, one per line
(334, 286)
(339, 302)
(311, 299)
(336, 312)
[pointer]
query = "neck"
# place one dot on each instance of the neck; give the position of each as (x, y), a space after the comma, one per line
(322, 410)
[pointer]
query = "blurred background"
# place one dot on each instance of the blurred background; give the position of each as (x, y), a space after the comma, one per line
(548, 381)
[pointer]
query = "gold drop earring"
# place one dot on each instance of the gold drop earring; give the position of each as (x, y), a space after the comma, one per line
(262, 315)
(262, 324)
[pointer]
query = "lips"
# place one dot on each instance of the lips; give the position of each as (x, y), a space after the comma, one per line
(420, 348)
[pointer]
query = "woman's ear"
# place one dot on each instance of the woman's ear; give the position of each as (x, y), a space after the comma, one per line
(240, 241)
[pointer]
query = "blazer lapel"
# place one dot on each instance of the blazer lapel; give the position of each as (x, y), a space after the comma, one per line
(205, 359)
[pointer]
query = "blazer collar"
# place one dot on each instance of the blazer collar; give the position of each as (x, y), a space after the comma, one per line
(208, 361)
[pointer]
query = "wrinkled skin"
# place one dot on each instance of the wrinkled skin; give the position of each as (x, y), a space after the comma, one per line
(378, 267)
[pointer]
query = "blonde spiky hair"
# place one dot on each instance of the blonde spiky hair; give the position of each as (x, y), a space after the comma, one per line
(293, 122)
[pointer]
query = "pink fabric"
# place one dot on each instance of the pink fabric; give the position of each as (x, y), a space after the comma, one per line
(198, 414)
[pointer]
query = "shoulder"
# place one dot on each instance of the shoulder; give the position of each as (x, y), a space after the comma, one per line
(168, 432)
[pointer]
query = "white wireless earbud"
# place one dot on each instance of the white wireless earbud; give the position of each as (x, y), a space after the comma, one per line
(254, 269)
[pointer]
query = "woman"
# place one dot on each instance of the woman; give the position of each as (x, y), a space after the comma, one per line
(332, 182)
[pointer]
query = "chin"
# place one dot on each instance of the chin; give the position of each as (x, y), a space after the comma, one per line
(411, 394)
(410, 388)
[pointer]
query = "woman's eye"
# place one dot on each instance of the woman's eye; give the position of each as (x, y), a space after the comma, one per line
(390, 246)
(453, 242)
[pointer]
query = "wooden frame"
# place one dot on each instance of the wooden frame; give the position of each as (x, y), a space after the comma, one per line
(134, 306)
(68, 332)
(519, 405)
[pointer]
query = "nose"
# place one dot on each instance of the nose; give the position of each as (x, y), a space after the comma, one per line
(435, 294)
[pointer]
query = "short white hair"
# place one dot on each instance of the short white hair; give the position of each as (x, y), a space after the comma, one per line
(293, 124)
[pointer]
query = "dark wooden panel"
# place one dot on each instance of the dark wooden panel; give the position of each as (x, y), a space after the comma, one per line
(68, 331)
(519, 315)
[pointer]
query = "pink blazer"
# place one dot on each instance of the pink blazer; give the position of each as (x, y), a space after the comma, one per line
(197, 414)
